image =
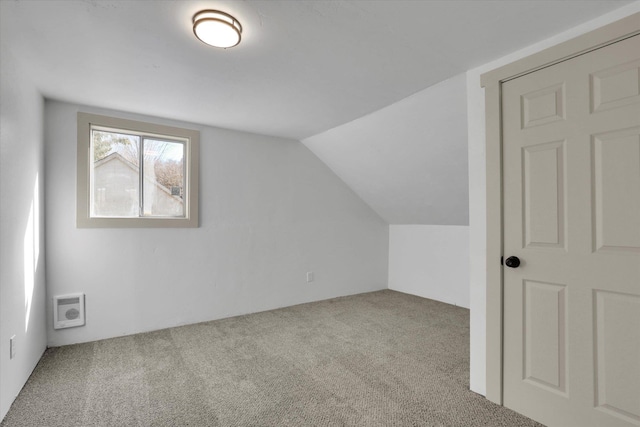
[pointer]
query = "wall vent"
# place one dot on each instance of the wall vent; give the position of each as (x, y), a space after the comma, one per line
(68, 311)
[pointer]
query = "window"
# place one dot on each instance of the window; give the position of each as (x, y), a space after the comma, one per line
(135, 174)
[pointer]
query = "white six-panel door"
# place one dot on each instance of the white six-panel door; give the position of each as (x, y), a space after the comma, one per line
(571, 178)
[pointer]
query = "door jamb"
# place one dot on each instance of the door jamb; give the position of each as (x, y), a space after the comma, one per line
(492, 82)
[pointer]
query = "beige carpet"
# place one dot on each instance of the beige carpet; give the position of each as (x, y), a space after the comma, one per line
(377, 359)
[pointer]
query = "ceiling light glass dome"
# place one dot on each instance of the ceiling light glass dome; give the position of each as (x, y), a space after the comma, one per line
(217, 28)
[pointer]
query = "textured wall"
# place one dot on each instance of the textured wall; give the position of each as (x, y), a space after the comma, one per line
(269, 212)
(430, 261)
(22, 260)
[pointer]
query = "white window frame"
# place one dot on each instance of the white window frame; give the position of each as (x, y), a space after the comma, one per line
(84, 219)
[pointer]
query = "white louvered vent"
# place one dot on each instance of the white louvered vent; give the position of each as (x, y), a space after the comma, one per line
(68, 311)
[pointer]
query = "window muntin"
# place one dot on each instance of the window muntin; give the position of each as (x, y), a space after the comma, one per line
(135, 174)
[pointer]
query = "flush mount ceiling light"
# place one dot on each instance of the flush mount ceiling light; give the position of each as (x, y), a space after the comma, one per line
(217, 28)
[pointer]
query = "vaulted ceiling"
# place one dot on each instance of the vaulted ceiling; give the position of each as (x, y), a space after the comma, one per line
(303, 68)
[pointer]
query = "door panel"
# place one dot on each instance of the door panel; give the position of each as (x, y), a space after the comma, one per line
(543, 195)
(616, 175)
(571, 188)
(545, 323)
(543, 106)
(618, 370)
(615, 87)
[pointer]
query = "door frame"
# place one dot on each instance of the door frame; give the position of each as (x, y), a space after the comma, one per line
(492, 82)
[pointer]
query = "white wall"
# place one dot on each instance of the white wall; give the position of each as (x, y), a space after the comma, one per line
(22, 285)
(269, 212)
(477, 187)
(430, 261)
(408, 161)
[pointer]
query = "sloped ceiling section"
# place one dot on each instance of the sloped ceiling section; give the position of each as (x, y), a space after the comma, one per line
(408, 161)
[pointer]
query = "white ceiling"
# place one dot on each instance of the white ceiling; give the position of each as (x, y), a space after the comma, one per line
(337, 74)
(303, 67)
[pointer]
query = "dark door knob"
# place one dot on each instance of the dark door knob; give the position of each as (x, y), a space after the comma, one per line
(513, 262)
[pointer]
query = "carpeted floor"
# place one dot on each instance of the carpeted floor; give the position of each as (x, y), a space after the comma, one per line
(377, 359)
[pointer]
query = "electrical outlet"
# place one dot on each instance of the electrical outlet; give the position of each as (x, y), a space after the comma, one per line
(12, 347)
(309, 276)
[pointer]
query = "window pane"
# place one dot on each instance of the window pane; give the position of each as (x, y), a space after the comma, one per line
(114, 174)
(163, 178)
